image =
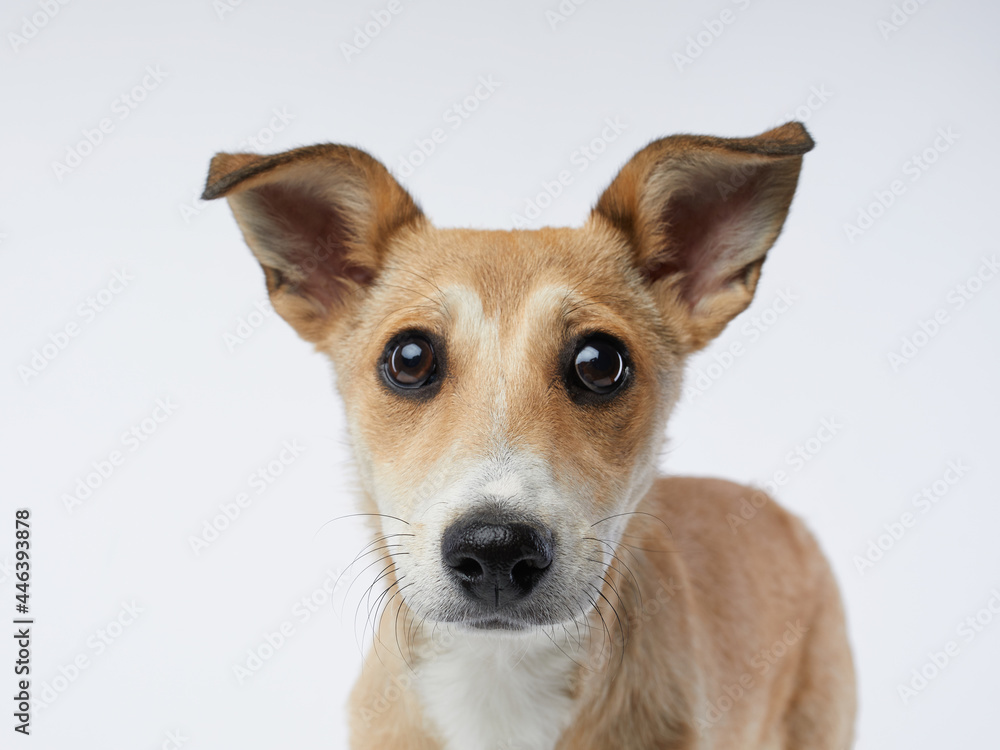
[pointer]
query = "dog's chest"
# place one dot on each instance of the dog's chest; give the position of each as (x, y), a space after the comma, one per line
(498, 694)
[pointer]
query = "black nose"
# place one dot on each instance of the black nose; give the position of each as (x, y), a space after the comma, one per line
(496, 562)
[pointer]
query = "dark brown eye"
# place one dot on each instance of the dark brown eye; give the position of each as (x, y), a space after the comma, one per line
(410, 362)
(599, 364)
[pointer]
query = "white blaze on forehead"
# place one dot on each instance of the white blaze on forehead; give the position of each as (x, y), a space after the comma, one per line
(493, 348)
(475, 338)
(468, 318)
(508, 336)
(542, 314)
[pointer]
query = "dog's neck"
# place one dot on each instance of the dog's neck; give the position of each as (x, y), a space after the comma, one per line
(498, 692)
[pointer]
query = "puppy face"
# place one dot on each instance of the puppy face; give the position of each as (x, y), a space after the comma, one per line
(506, 392)
(534, 396)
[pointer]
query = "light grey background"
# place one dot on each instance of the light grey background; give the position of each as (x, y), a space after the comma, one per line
(873, 95)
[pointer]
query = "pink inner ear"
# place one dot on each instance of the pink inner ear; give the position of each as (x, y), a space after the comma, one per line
(312, 239)
(708, 232)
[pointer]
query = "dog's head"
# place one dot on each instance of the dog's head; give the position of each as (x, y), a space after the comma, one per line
(507, 392)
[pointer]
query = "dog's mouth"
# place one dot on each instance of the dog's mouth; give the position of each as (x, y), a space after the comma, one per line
(500, 621)
(496, 623)
(538, 610)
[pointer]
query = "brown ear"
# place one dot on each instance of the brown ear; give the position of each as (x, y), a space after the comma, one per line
(701, 213)
(318, 219)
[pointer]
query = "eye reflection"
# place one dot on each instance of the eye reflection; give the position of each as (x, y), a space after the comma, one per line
(599, 365)
(410, 362)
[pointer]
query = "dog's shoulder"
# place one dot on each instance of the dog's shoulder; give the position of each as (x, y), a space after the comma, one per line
(705, 518)
(706, 500)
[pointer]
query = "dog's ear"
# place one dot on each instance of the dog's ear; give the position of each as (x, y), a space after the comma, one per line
(318, 220)
(700, 214)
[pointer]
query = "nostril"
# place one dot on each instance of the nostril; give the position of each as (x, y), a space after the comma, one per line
(468, 568)
(527, 572)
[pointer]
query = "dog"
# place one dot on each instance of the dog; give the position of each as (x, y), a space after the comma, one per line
(506, 395)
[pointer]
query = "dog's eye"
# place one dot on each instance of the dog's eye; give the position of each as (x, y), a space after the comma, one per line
(410, 362)
(599, 364)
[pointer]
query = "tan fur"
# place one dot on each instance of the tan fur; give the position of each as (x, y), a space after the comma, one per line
(673, 250)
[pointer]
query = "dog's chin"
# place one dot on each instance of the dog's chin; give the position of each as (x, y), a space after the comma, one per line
(512, 620)
(495, 624)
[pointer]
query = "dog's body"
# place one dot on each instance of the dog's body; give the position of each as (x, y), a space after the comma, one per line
(507, 394)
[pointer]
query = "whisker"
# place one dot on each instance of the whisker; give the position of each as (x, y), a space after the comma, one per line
(625, 635)
(631, 578)
(562, 650)
(633, 513)
(359, 515)
(362, 555)
(628, 579)
(395, 623)
(381, 558)
(376, 640)
(607, 632)
(385, 609)
(620, 629)
(385, 571)
(647, 549)
(377, 619)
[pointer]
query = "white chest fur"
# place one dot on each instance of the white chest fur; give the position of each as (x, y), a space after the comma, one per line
(487, 692)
